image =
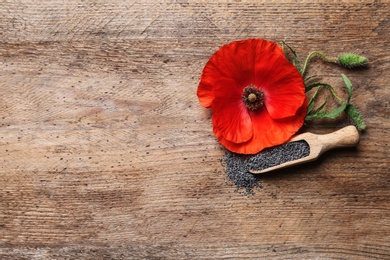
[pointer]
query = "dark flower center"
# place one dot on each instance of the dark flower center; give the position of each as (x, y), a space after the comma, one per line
(253, 97)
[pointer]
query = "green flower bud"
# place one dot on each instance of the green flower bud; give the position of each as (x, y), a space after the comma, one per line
(351, 60)
(354, 115)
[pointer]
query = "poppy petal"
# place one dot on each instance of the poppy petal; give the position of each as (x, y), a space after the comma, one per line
(284, 90)
(205, 94)
(230, 114)
(267, 133)
(235, 61)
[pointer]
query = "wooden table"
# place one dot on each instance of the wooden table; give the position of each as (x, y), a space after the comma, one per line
(105, 151)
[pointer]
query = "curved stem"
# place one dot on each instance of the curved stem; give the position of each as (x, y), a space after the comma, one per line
(311, 54)
(331, 89)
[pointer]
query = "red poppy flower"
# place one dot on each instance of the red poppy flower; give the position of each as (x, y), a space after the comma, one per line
(256, 95)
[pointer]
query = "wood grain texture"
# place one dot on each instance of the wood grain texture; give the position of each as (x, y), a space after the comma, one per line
(105, 151)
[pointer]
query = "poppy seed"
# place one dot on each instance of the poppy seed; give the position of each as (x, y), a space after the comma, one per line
(238, 165)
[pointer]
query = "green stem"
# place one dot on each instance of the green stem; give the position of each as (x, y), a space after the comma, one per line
(311, 54)
(317, 84)
(296, 61)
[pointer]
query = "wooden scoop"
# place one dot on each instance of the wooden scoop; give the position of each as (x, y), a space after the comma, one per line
(318, 144)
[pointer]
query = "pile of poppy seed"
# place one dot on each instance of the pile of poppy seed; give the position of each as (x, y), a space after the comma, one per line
(238, 165)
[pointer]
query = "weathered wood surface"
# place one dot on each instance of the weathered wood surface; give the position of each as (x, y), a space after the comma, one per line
(105, 151)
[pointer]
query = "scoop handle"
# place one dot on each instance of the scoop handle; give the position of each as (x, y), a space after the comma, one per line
(345, 137)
